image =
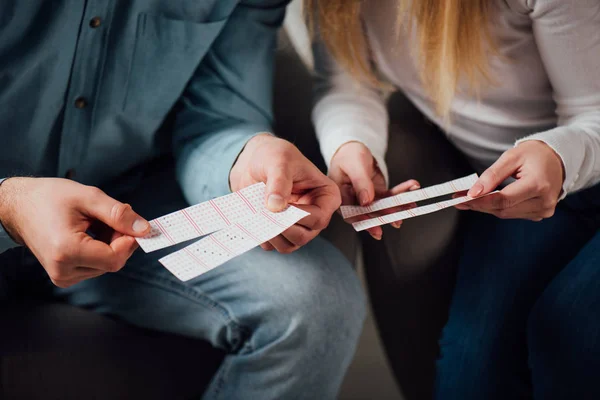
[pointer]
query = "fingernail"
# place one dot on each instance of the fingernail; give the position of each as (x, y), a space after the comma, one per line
(140, 225)
(397, 224)
(415, 187)
(376, 237)
(363, 197)
(275, 202)
(475, 190)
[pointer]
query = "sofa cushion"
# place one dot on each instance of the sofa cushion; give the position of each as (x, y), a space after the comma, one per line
(56, 351)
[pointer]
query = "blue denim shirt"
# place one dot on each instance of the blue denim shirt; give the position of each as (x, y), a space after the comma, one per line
(92, 89)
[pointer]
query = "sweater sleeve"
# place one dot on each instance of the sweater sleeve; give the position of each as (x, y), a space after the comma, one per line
(347, 111)
(567, 35)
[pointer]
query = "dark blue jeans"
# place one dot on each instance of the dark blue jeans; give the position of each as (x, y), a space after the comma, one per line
(525, 316)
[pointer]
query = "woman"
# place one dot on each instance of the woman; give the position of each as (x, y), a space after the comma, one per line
(515, 85)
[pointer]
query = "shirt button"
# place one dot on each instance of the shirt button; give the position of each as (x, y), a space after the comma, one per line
(70, 174)
(95, 22)
(81, 103)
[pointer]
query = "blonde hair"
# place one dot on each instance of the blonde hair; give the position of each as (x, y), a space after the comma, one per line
(454, 41)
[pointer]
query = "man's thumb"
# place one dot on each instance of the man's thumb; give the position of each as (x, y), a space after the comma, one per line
(117, 215)
(279, 189)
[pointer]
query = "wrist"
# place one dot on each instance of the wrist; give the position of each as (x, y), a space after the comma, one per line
(554, 166)
(258, 140)
(563, 176)
(352, 146)
(353, 152)
(560, 162)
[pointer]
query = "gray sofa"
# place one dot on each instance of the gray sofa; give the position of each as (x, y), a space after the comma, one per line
(410, 274)
(54, 351)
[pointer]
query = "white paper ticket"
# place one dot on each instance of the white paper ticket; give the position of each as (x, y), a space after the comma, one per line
(204, 218)
(415, 212)
(442, 189)
(220, 247)
(234, 223)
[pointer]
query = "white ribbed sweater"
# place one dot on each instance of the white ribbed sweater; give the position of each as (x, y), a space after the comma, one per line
(548, 91)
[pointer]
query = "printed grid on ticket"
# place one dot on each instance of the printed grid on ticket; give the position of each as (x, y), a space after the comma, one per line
(457, 185)
(204, 218)
(415, 212)
(220, 247)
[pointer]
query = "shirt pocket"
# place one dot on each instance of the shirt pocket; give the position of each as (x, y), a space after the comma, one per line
(165, 55)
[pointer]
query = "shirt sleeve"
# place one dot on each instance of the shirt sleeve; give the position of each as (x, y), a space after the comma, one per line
(228, 100)
(567, 35)
(6, 242)
(346, 110)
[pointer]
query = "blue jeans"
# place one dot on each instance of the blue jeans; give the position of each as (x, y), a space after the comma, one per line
(525, 316)
(289, 323)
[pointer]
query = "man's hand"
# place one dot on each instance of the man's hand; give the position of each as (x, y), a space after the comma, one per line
(52, 218)
(533, 196)
(291, 179)
(355, 171)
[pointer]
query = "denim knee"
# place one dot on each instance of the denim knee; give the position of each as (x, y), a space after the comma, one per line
(564, 346)
(562, 338)
(322, 309)
(545, 332)
(475, 362)
(553, 332)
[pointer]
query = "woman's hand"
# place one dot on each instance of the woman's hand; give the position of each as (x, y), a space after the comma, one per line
(355, 171)
(539, 175)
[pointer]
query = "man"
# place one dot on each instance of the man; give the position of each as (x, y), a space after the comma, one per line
(147, 99)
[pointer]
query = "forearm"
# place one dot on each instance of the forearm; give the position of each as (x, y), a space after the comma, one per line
(347, 111)
(341, 117)
(228, 101)
(204, 164)
(566, 35)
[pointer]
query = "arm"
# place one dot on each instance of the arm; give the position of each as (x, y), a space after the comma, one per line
(226, 107)
(566, 33)
(228, 101)
(347, 111)
(568, 37)
(351, 122)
